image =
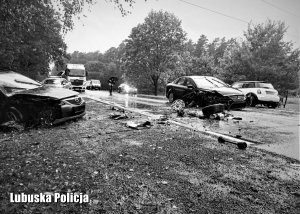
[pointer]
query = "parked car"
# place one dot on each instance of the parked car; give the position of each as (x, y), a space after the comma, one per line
(25, 100)
(203, 91)
(57, 82)
(93, 84)
(127, 89)
(258, 92)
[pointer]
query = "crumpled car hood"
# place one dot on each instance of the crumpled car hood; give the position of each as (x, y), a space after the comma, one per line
(225, 91)
(46, 91)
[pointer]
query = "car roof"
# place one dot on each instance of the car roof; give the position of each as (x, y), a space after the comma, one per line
(250, 81)
(197, 76)
(6, 71)
(54, 78)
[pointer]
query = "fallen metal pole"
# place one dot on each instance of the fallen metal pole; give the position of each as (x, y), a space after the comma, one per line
(240, 145)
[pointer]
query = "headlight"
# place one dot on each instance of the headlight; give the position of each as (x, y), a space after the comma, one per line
(62, 102)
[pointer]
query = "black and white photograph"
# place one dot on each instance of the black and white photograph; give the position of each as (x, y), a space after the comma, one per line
(149, 106)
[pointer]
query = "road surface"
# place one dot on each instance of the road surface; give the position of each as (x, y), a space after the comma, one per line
(274, 130)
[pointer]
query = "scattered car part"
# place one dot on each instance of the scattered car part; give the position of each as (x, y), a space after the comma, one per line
(137, 125)
(213, 109)
(117, 116)
(240, 145)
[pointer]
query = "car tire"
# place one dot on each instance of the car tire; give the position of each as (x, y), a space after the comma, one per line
(14, 114)
(171, 97)
(251, 101)
(213, 109)
(273, 105)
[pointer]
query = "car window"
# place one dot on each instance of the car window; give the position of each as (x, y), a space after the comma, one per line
(208, 82)
(237, 85)
(95, 81)
(52, 81)
(264, 85)
(189, 82)
(249, 85)
(181, 81)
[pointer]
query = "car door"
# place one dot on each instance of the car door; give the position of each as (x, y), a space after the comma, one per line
(189, 85)
(248, 87)
(180, 88)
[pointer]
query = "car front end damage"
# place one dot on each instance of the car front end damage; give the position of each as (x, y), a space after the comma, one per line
(70, 108)
(204, 97)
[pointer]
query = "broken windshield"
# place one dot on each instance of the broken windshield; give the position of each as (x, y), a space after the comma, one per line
(208, 82)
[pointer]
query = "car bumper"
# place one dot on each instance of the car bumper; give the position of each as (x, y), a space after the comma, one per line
(238, 105)
(61, 120)
(70, 112)
(268, 98)
(77, 88)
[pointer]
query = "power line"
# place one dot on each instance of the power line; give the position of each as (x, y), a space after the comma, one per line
(281, 9)
(214, 11)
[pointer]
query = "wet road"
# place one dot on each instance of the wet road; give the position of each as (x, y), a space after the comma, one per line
(275, 130)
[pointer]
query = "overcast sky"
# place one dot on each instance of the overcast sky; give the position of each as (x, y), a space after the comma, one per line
(104, 27)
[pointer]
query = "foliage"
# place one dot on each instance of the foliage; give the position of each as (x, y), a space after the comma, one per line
(152, 45)
(32, 32)
(263, 56)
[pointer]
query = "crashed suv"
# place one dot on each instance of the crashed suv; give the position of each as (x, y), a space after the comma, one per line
(27, 101)
(258, 92)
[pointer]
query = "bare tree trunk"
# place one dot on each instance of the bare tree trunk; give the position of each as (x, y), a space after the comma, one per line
(286, 97)
(155, 87)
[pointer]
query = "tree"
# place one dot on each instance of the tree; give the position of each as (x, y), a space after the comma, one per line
(264, 56)
(201, 46)
(32, 31)
(151, 46)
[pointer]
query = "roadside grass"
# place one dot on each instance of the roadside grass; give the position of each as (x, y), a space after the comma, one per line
(161, 169)
(293, 104)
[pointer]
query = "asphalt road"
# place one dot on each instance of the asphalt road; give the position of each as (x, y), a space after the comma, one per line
(274, 130)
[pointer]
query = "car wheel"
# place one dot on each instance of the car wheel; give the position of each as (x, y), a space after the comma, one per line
(213, 109)
(14, 114)
(252, 101)
(171, 97)
(273, 105)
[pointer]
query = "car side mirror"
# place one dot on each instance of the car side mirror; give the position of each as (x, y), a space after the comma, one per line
(190, 86)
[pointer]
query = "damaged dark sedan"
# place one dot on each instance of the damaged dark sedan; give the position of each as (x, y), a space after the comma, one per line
(27, 101)
(202, 91)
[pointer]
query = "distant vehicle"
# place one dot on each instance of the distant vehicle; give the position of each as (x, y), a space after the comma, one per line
(57, 82)
(127, 89)
(93, 84)
(203, 91)
(76, 74)
(23, 100)
(258, 92)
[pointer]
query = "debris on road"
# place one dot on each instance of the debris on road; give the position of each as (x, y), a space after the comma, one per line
(117, 116)
(11, 126)
(178, 106)
(213, 109)
(139, 124)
